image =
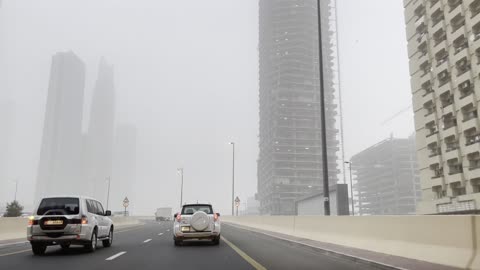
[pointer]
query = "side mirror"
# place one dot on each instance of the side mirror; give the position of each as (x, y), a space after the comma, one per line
(175, 216)
(108, 213)
(218, 214)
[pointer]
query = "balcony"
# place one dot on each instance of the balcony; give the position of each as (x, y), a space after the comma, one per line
(437, 181)
(473, 173)
(454, 12)
(453, 154)
(461, 54)
(454, 177)
(431, 137)
(437, 5)
(466, 99)
(472, 148)
(441, 67)
(467, 125)
(434, 159)
(463, 77)
(450, 131)
(430, 116)
(427, 97)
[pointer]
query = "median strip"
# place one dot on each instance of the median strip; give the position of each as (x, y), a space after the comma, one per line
(115, 256)
(244, 255)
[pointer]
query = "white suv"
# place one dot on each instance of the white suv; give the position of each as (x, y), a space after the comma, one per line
(69, 220)
(196, 222)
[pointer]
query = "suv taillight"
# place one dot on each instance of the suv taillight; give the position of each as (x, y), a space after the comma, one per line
(84, 220)
(179, 217)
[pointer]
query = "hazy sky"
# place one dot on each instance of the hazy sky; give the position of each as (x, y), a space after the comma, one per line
(186, 74)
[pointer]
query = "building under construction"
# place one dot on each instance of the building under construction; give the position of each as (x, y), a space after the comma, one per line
(290, 158)
(387, 178)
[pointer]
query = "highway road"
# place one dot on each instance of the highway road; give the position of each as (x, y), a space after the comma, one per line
(150, 246)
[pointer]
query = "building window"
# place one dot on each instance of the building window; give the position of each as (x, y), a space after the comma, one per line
(471, 136)
(429, 108)
(454, 166)
(423, 49)
(451, 143)
(434, 149)
(427, 87)
(449, 121)
(431, 128)
(460, 44)
(421, 31)
(446, 99)
(457, 22)
(420, 11)
(439, 36)
(437, 170)
(443, 77)
(437, 17)
(439, 192)
(474, 161)
(433, 2)
(463, 65)
(458, 190)
(465, 88)
(441, 57)
(475, 8)
(426, 67)
(469, 112)
(475, 185)
(453, 4)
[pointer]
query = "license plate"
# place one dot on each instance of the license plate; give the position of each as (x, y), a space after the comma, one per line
(185, 229)
(54, 222)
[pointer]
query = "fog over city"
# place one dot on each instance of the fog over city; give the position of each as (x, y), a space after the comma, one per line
(186, 81)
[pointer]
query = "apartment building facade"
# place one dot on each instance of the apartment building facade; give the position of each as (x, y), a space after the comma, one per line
(444, 53)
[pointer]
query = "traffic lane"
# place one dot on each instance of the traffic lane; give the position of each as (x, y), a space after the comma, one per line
(274, 253)
(162, 253)
(76, 257)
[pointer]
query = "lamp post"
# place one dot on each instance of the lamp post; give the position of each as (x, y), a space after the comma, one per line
(326, 186)
(180, 171)
(16, 189)
(233, 176)
(351, 186)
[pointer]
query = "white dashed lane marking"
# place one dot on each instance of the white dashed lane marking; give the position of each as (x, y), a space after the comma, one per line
(148, 240)
(115, 256)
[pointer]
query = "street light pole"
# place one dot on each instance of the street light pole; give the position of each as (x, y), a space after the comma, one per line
(233, 177)
(108, 192)
(16, 189)
(180, 170)
(326, 191)
(351, 185)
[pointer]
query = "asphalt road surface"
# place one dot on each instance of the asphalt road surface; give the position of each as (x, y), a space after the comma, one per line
(150, 246)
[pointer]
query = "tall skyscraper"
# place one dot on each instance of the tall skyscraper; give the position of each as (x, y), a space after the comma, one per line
(290, 158)
(59, 168)
(124, 166)
(387, 180)
(99, 138)
(444, 50)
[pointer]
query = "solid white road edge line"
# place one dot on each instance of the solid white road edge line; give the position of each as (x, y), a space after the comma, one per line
(115, 256)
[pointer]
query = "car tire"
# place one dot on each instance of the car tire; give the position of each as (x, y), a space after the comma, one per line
(39, 249)
(177, 242)
(108, 242)
(92, 245)
(216, 241)
(65, 245)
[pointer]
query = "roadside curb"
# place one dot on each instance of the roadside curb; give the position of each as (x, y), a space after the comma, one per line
(322, 250)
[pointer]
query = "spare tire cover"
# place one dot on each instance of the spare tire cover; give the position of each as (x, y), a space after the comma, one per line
(199, 221)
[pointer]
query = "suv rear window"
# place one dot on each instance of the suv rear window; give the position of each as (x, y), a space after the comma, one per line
(59, 206)
(191, 209)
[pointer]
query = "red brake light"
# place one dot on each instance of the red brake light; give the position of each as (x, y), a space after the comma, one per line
(179, 217)
(215, 217)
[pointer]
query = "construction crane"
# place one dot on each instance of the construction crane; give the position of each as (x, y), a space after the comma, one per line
(402, 111)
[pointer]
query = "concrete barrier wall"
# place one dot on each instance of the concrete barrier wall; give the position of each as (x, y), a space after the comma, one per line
(16, 228)
(448, 240)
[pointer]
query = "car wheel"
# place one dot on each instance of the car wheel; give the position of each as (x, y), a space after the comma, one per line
(177, 242)
(39, 249)
(92, 245)
(216, 241)
(108, 242)
(65, 245)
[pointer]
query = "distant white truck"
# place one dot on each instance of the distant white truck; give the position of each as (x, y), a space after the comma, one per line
(163, 214)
